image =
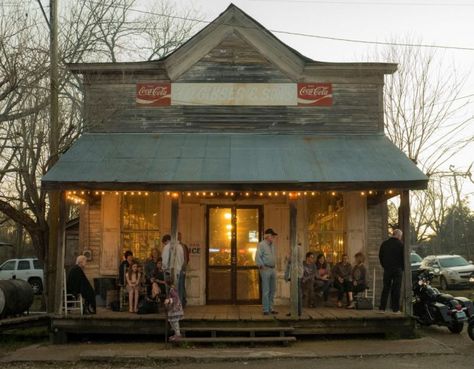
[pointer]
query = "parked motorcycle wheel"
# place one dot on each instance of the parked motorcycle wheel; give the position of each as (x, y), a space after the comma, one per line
(470, 330)
(456, 328)
(423, 322)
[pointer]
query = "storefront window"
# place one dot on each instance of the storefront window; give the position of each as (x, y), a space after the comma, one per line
(326, 225)
(140, 224)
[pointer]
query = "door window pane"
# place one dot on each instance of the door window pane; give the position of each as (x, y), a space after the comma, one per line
(248, 284)
(220, 236)
(247, 236)
(219, 285)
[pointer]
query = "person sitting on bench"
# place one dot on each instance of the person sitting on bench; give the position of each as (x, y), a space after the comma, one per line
(158, 283)
(342, 274)
(359, 274)
(323, 281)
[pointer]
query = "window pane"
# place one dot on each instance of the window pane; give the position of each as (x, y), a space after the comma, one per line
(9, 265)
(326, 225)
(37, 264)
(23, 265)
(140, 224)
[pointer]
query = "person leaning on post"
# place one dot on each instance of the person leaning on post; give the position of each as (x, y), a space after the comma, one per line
(265, 258)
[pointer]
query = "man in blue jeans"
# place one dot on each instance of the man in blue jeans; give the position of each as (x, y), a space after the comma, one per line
(265, 258)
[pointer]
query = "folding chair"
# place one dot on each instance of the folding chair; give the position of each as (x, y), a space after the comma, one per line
(71, 302)
(366, 299)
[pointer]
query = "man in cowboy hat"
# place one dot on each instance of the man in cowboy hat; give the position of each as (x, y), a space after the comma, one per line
(265, 258)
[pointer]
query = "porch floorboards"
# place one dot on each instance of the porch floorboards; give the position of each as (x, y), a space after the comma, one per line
(315, 321)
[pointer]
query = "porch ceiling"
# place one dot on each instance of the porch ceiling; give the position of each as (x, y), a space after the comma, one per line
(235, 161)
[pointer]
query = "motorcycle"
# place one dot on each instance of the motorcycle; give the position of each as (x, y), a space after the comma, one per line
(470, 327)
(430, 306)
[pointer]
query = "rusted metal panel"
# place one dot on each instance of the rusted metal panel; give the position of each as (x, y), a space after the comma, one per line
(210, 159)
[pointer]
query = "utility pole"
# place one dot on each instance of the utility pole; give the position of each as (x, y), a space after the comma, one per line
(53, 272)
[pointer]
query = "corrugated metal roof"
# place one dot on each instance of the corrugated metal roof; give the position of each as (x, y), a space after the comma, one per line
(212, 159)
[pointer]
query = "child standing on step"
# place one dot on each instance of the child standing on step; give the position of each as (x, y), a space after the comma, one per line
(175, 312)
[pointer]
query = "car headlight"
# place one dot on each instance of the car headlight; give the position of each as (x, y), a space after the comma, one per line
(471, 280)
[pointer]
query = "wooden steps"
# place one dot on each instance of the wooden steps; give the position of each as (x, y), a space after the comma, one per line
(276, 339)
(220, 334)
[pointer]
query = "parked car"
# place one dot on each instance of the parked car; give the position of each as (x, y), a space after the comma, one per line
(450, 271)
(415, 261)
(29, 269)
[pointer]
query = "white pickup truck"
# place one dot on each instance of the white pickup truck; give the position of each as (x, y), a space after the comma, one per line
(30, 270)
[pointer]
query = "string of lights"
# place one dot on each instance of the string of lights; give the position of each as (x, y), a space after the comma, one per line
(79, 196)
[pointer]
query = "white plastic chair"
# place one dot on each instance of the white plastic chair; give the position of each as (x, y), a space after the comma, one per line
(71, 302)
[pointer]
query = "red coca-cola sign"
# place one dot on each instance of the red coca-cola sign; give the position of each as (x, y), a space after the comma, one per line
(314, 94)
(153, 94)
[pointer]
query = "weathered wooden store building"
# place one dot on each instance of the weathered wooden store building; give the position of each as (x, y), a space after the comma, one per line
(232, 133)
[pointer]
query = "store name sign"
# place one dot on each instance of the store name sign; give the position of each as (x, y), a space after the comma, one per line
(247, 94)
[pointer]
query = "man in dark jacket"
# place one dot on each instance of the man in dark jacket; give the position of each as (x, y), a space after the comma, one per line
(78, 284)
(391, 259)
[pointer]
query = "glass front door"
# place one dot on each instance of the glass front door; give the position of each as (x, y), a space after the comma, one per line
(233, 235)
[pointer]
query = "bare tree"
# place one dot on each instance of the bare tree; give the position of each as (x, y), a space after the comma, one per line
(425, 115)
(91, 30)
(424, 110)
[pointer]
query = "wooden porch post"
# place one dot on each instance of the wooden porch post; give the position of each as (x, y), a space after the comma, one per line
(294, 262)
(60, 255)
(174, 231)
(52, 251)
(404, 224)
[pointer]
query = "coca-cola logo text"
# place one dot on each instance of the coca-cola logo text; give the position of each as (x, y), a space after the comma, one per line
(314, 91)
(153, 94)
(153, 91)
(315, 94)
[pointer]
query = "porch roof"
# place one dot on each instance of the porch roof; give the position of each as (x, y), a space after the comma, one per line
(171, 161)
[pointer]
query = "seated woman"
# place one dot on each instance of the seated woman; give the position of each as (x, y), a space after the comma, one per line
(359, 274)
(323, 282)
(158, 284)
(78, 284)
(307, 281)
(342, 274)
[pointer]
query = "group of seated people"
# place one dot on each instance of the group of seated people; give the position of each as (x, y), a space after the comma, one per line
(150, 282)
(147, 279)
(318, 277)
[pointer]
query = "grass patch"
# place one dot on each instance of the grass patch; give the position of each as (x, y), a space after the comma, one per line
(17, 338)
